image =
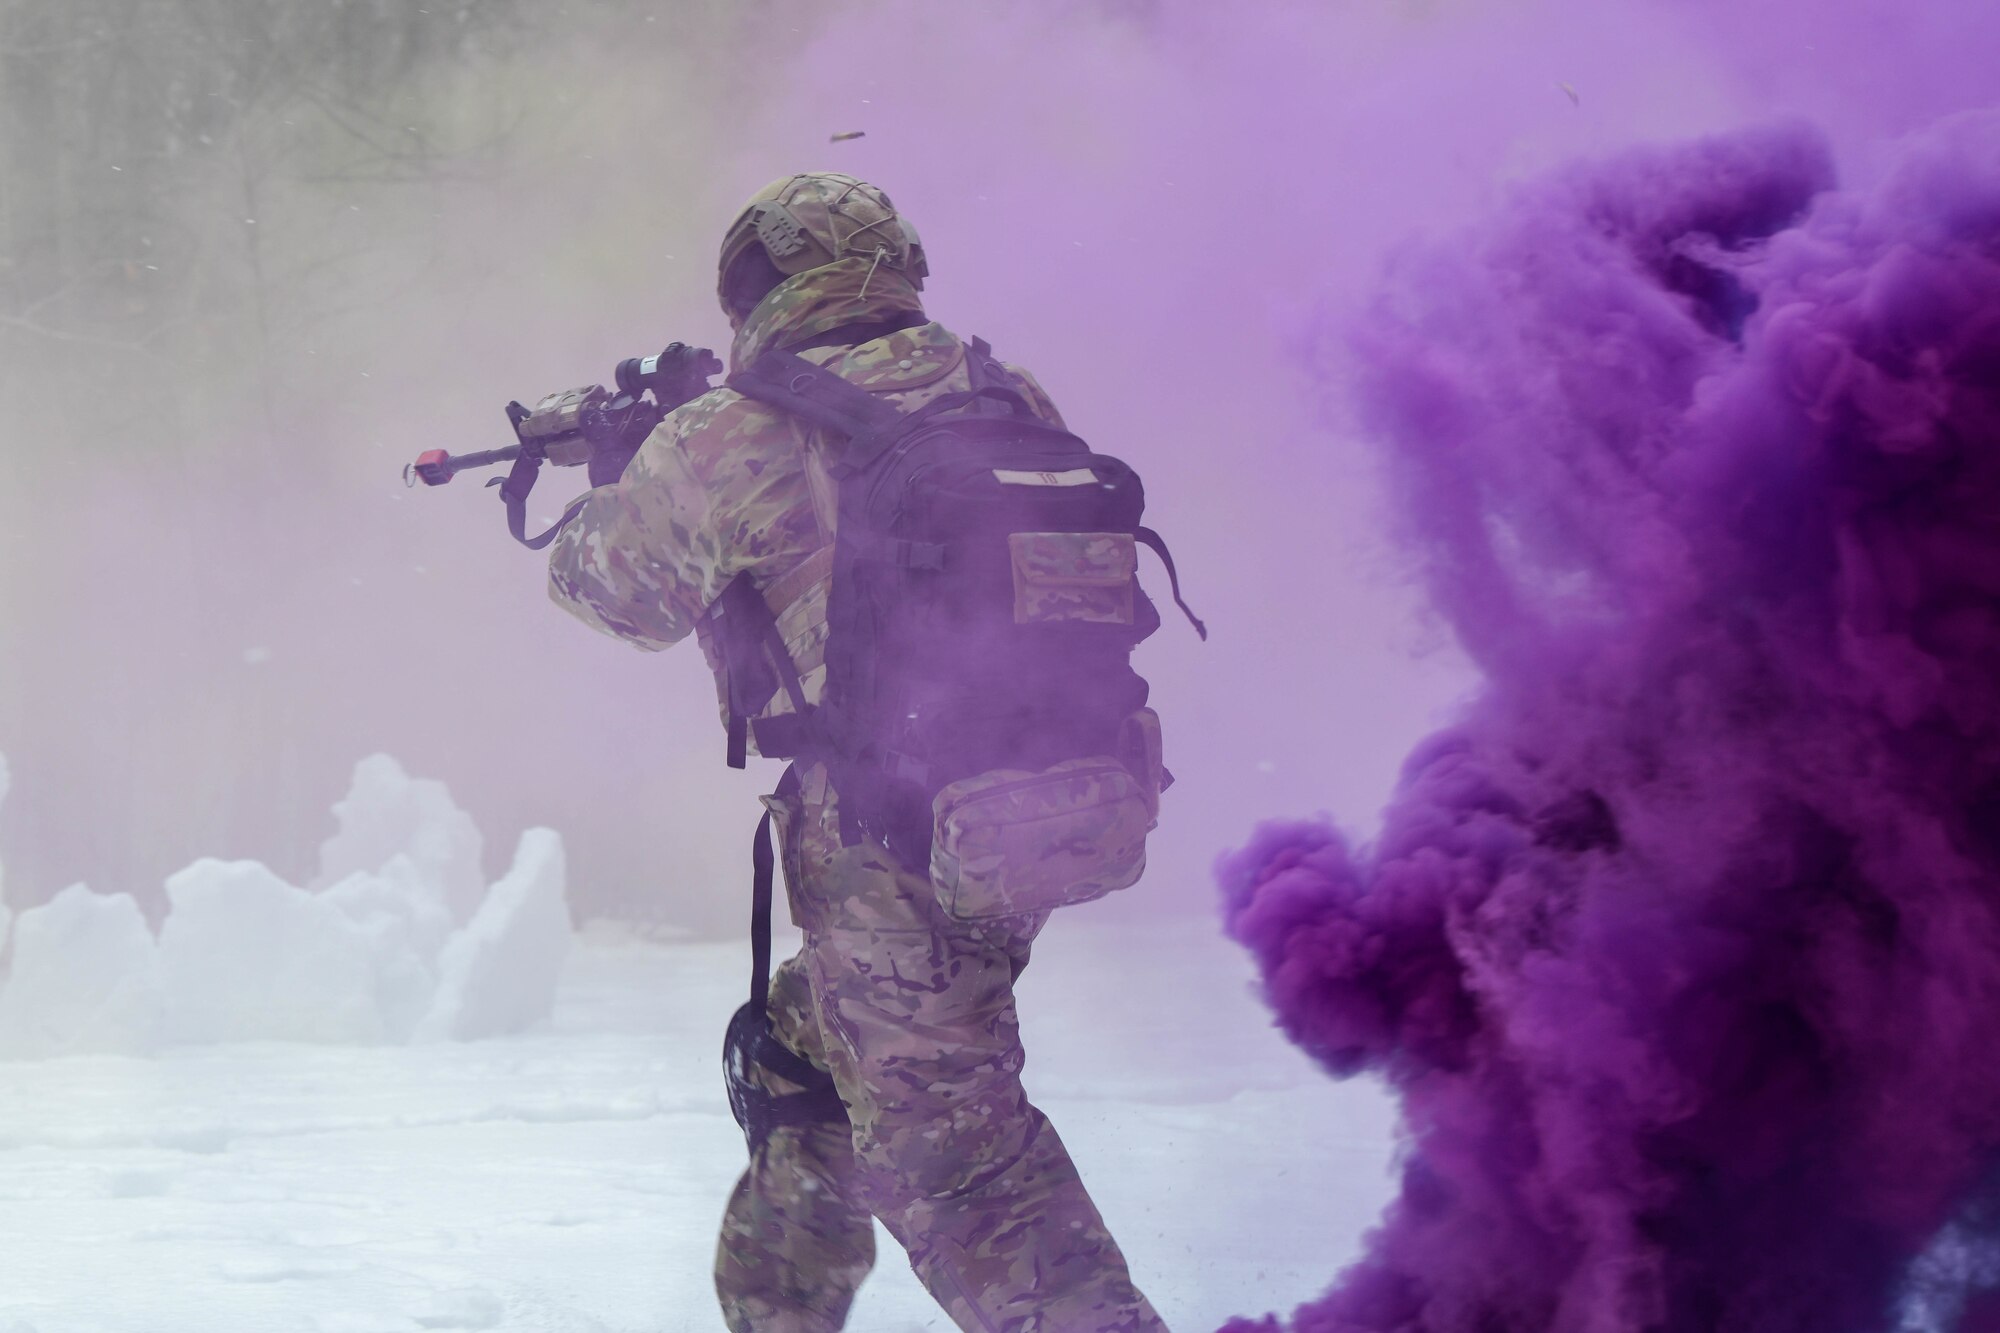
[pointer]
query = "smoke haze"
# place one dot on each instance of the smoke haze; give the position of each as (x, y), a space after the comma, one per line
(1729, 769)
(1679, 947)
(217, 595)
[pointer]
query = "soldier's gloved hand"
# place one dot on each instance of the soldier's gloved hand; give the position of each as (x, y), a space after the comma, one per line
(608, 465)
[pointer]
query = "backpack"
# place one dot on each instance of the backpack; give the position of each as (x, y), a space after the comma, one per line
(980, 714)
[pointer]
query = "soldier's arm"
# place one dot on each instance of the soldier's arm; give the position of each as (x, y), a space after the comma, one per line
(619, 564)
(715, 489)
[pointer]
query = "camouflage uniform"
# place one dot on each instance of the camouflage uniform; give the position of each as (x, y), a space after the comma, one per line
(911, 1010)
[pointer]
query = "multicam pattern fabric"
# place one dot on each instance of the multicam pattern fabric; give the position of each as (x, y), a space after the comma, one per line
(1140, 750)
(1073, 576)
(796, 1240)
(726, 486)
(1010, 842)
(913, 1013)
(822, 216)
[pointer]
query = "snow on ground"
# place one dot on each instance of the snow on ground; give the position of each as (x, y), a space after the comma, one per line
(569, 1179)
(6, 917)
(499, 974)
(389, 1103)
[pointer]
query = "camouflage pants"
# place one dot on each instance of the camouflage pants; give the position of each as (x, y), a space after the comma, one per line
(913, 1014)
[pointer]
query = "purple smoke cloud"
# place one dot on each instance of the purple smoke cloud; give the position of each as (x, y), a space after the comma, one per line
(1683, 949)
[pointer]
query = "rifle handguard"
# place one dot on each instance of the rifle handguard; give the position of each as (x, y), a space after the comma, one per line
(584, 425)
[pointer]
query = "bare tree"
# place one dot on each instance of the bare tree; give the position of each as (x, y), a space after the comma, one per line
(130, 128)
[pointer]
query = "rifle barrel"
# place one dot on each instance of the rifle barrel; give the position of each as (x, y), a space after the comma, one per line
(485, 458)
(437, 467)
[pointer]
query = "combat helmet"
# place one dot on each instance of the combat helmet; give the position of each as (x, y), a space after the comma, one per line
(805, 221)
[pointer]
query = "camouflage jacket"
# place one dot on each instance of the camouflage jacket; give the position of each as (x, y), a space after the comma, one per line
(725, 485)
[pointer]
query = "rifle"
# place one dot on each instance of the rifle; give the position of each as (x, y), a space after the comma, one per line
(587, 425)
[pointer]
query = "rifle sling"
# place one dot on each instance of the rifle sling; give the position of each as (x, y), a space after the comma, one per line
(514, 494)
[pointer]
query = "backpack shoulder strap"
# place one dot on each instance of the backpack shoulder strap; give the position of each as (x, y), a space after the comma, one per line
(744, 630)
(793, 384)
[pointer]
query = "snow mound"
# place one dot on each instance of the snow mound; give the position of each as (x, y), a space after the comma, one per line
(369, 954)
(499, 974)
(6, 916)
(245, 956)
(389, 813)
(403, 917)
(86, 977)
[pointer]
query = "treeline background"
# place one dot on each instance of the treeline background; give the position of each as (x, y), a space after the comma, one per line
(255, 255)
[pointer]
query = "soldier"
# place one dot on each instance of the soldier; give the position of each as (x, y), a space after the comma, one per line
(909, 1009)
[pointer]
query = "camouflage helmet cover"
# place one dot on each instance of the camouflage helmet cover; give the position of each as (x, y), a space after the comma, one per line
(805, 221)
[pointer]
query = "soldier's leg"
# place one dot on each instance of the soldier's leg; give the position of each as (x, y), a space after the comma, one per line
(796, 1238)
(917, 1012)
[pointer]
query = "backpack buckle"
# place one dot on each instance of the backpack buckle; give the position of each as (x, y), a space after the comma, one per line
(907, 768)
(920, 555)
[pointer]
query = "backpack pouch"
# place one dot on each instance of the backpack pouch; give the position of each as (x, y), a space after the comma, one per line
(1062, 576)
(1009, 842)
(1140, 751)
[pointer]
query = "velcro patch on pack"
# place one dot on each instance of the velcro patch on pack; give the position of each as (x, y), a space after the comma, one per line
(1073, 576)
(1081, 476)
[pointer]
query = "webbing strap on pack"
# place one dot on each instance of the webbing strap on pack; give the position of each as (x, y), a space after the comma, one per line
(951, 402)
(755, 659)
(796, 385)
(795, 583)
(762, 863)
(1148, 537)
(898, 551)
